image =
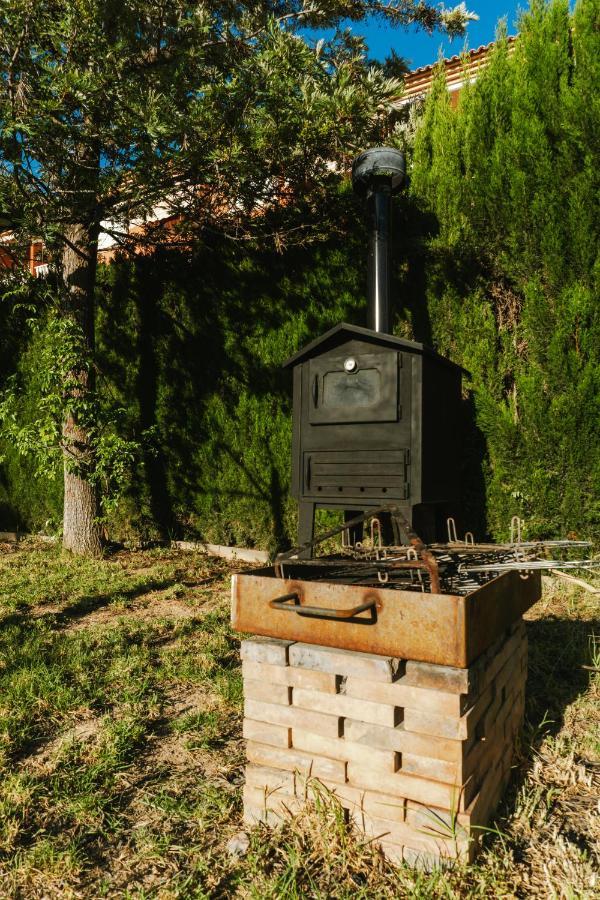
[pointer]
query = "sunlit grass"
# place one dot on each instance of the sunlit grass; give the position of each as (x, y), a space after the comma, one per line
(121, 760)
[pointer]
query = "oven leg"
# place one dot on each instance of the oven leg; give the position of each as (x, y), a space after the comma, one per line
(306, 526)
(398, 532)
(356, 532)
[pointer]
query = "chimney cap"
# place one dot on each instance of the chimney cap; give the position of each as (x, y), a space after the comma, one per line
(378, 165)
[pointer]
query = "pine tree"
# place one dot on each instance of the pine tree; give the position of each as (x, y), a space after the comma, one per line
(108, 107)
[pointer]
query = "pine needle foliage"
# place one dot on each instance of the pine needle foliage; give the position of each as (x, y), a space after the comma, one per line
(512, 179)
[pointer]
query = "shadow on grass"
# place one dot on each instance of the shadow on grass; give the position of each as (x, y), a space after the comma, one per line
(559, 648)
(84, 606)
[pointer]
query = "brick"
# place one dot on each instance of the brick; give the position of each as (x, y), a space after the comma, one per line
(341, 705)
(493, 795)
(435, 769)
(346, 795)
(378, 805)
(255, 815)
(480, 808)
(446, 787)
(431, 819)
(394, 853)
(483, 671)
(402, 741)
(405, 695)
(488, 720)
(514, 721)
(265, 650)
(411, 787)
(386, 760)
(510, 673)
(437, 678)
(293, 717)
(431, 724)
(344, 662)
(295, 760)
(267, 778)
(267, 733)
(494, 754)
(421, 860)
(272, 800)
(476, 813)
(504, 715)
(325, 682)
(482, 752)
(383, 806)
(508, 682)
(460, 728)
(280, 694)
(497, 662)
(290, 676)
(444, 843)
(255, 671)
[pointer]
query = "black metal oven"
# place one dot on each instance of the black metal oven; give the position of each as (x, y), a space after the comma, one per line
(375, 416)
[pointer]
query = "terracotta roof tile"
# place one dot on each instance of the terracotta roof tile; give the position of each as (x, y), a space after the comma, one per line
(418, 82)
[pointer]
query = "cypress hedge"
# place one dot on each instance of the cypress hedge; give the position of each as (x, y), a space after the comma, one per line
(512, 179)
(498, 267)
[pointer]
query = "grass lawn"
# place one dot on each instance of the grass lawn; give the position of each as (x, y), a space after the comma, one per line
(121, 759)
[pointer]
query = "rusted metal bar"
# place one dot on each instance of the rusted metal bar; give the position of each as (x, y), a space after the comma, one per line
(531, 564)
(320, 612)
(308, 545)
(427, 557)
(496, 548)
(414, 539)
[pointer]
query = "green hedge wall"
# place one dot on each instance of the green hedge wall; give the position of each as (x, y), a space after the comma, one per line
(498, 266)
(512, 179)
(194, 346)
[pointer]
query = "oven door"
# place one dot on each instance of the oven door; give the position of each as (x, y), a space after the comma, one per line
(361, 387)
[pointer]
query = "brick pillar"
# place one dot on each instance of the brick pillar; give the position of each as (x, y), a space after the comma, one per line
(417, 754)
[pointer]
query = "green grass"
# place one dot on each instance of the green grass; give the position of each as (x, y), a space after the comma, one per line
(121, 759)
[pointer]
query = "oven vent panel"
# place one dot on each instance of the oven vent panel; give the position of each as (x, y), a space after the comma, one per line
(335, 473)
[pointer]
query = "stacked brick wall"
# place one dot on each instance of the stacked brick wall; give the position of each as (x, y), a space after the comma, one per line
(417, 754)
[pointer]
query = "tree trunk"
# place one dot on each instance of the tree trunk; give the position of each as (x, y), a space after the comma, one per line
(81, 531)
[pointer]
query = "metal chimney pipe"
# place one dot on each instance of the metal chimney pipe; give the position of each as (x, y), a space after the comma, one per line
(376, 175)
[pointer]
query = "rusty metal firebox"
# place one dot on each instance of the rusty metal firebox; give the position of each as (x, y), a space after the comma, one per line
(444, 629)
(423, 602)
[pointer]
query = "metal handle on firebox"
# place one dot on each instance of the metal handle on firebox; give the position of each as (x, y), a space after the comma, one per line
(291, 603)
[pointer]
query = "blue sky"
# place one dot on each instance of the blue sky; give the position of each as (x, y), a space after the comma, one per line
(420, 49)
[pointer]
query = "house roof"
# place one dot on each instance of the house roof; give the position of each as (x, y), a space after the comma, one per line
(338, 332)
(459, 70)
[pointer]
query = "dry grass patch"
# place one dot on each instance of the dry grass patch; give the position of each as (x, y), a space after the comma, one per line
(121, 760)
